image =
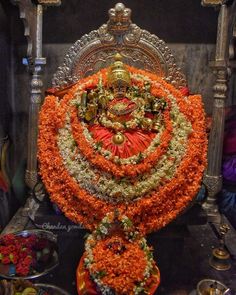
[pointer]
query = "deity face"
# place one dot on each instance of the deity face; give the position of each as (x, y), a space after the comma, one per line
(119, 90)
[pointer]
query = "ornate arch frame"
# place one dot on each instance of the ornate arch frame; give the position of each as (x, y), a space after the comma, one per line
(139, 48)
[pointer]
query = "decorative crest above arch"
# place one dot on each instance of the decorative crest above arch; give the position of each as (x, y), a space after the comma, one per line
(139, 48)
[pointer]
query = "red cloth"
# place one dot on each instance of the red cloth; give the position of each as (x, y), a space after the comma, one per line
(136, 141)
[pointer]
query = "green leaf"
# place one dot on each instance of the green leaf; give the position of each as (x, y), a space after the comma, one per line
(77, 104)
(101, 274)
(140, 157)
(86, 235)
(106, 224)
(128, 222)
(150, 255)
(99, 144)
(123, 179)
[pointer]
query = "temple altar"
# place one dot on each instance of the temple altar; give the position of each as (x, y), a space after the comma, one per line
(117, 108)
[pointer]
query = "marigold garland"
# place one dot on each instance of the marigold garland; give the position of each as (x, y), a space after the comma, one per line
(115, 189)
(158, 207)
(110, 257)
(109, 166)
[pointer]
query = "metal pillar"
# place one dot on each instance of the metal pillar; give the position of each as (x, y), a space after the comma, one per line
(32, 14)
(213, 177)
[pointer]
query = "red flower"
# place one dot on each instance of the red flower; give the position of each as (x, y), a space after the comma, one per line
(7, 239)
(6, 260)
(19, 251)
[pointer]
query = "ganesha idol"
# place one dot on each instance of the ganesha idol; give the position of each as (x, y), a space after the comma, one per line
(123, 119)
(123, 153)
(122, 139)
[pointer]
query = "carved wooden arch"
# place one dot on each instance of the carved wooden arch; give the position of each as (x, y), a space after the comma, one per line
(138, 47)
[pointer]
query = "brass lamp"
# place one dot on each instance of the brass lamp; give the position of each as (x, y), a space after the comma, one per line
(211, 287)
(220, 259)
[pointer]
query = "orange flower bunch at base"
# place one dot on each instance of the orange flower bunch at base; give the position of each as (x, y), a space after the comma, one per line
(117, 260)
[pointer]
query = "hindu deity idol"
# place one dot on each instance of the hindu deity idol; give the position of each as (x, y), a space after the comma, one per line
(122, 117)
(125, 139)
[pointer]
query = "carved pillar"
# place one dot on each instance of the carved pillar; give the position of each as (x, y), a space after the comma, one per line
(31, 176)
(32, 14)
(36, 67)
(213, 178)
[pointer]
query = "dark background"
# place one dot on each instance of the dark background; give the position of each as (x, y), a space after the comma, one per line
(175, 21)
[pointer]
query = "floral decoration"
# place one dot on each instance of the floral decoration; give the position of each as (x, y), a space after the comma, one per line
(110, 257)
(88, 179)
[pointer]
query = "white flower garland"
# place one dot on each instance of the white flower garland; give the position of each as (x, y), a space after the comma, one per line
(138, 114)
(106, 187)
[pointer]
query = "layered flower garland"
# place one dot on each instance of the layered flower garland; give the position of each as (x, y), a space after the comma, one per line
(87, 180)
(111, 253)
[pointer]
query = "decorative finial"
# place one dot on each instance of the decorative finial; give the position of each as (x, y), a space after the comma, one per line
(118, 57)
(119, 19)
(119, 7)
